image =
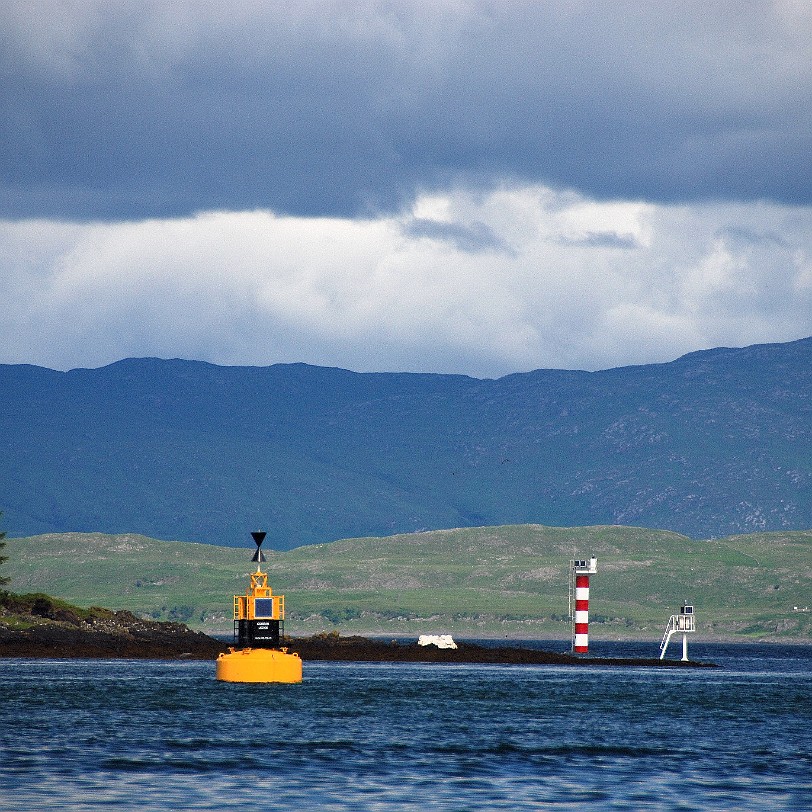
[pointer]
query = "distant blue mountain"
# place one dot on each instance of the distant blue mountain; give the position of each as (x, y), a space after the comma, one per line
(714, 443)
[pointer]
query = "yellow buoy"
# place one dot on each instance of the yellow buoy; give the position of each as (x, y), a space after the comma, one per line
(259, 665)
(258, 621)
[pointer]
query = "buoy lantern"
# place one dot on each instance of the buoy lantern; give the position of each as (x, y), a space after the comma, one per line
(259, 617)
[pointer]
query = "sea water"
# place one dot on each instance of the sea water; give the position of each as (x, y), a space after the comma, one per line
(134, 735)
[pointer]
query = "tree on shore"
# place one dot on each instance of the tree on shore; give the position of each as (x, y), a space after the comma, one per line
(3, 558)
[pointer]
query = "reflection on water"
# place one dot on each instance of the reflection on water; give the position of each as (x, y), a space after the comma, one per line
(83, 735)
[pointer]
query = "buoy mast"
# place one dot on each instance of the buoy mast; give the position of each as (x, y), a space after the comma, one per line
(259, 615)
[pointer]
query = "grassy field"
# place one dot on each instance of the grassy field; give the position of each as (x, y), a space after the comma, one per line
(492, 581)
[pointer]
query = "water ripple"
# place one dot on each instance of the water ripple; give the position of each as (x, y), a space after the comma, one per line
(140, 736)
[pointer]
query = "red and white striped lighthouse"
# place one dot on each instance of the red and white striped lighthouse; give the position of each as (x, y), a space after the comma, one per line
(579, 574)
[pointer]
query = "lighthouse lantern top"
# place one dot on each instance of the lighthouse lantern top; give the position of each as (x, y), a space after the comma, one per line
(583, 567)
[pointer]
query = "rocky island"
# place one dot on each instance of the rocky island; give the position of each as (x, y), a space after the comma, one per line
(40, 626)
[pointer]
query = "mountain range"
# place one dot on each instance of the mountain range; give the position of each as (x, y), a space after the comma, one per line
(714, 443)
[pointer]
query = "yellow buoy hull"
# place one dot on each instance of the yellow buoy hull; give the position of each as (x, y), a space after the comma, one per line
(259, 665)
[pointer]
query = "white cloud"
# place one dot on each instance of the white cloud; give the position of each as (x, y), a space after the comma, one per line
(558, 280)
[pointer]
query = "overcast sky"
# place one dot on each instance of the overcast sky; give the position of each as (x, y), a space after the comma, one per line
(475, 187)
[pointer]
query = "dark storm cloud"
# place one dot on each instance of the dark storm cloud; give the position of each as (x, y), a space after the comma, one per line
(133, 110)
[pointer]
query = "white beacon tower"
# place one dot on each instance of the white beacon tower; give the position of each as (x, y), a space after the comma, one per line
(683, 622)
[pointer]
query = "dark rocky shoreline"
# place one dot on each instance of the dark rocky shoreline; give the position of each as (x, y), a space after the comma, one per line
(363, 649)
(125, 636)
(42, 627)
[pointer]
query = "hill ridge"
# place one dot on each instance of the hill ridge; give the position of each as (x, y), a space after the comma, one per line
(713, 443)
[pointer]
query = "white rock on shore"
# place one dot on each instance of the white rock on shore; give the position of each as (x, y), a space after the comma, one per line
(439, 640)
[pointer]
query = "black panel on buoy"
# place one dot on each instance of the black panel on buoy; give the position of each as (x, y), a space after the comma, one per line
(259, 537)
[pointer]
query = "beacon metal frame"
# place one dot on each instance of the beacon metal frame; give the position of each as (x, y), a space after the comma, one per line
(685, 623)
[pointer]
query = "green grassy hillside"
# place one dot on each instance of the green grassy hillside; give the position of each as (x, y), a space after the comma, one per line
(502, 581)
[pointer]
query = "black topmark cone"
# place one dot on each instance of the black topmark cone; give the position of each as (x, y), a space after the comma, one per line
(259, 537)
